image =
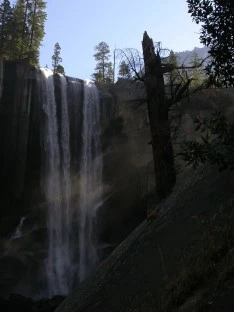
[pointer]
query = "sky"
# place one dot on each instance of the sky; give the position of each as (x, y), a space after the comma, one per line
(79, 25)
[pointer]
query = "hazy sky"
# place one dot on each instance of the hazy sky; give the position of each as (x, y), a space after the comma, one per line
(79, 25)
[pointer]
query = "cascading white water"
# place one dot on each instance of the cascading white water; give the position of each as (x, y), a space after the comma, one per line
(66, 181)
(57, 187)
(91, 180)
(62, 262)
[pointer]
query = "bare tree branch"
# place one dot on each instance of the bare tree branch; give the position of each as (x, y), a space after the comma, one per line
(167, 68)
(134, 60)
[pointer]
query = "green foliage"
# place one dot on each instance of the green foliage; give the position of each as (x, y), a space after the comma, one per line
(19, 31)
(196, 73)
(109, 77)
(177, 80)
(56, 59)
(216, 144)
(6, 17)
(36, 22)
(217, 20)
(174, 76)
(60, 70)
(124, 70)
(22, 30)
(104, 69)
(174, 80)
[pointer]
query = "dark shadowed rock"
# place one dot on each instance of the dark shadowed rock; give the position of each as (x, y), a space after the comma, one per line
(19, 303)
(132, 277)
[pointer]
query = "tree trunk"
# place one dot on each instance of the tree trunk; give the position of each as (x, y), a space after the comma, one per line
(2, 42)
(33, 25)
(23, 31)
(165, 176)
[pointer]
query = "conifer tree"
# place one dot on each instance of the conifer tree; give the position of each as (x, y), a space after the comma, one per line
(124, 70)
(104, 69)
(60, 70)
(109, 73)
(25, 30)
(196, 72)
(56, 59)
(22, 29)
(19, 31)
(174, 76)
(36, 24)
(6, 16)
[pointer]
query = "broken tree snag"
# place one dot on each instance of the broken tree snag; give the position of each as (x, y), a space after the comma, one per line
(165, 176)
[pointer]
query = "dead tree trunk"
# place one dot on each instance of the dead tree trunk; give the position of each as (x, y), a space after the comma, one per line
(165, 176)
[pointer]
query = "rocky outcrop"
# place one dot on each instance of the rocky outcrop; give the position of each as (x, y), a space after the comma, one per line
(20, 143)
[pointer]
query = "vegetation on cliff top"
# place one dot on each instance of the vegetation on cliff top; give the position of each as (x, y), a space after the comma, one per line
(22, 30)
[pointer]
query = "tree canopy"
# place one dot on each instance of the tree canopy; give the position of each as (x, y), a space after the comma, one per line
(104, 69)
(124, 70)
(216, 144)
(6, 16)
(56, 59)
(22, 29)
(217, 23)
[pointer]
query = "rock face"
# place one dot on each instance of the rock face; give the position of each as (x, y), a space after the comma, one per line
(20, 141)
(20, 303)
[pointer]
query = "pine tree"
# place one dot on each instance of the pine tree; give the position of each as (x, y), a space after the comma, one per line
(36, 24)
(109, 73)
(174, 78)
(25, 31)
(124, 70)
(22, 29)
(196, 72)
(6, 16)
(56, 58)
(19, 31)
(60, 70)
(104, 69)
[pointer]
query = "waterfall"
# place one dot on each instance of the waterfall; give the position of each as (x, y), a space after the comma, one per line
(57, 187)
(66, 185)
(90, 181)
(65, 264)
